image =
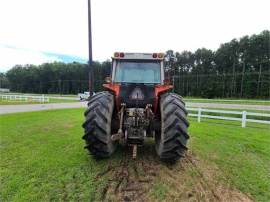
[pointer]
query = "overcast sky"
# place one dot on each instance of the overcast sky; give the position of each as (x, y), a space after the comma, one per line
(37, 31)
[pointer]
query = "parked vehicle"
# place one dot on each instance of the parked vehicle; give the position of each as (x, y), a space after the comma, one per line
(83, 96)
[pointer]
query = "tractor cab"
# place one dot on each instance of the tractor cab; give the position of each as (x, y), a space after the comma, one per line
(136, 78)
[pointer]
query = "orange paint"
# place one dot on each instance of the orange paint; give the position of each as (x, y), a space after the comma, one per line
(158, 90)
(115, 88)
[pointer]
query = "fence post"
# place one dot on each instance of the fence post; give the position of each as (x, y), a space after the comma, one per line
(43, 98)
(199, 115)
(244, 119)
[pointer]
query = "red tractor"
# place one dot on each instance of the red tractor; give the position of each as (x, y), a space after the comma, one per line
(136, 105)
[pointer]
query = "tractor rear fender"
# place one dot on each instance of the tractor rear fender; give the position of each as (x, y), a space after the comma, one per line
(159, 89)
(115, 88)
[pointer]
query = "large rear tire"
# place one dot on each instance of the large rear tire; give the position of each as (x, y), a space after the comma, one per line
(172, 138)
(97, 125)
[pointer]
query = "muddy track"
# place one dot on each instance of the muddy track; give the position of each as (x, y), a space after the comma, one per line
(203, 182)
(190, 179)
(131, 180)
(194, 180)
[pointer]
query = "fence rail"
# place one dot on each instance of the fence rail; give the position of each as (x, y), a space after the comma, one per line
(25, 98)
(243, 114)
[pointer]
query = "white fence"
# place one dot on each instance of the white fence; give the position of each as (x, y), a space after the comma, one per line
(226, 100)
(25, 98)
(243, 114)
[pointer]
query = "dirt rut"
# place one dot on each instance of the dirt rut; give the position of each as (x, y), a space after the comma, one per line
(190, 179)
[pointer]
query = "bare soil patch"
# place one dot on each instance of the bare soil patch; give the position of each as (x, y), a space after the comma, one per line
(191, 179)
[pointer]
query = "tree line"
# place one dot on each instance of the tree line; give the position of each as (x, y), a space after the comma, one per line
(239, 68)
(56, 77)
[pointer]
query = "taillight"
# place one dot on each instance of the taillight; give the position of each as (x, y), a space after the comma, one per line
(160, 55)
(154, 55)
(119, 55)
(116, 55)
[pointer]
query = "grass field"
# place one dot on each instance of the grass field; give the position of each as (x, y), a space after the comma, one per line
(17, 102)
(42, 159)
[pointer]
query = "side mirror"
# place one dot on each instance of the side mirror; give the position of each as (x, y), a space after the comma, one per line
(108, 79)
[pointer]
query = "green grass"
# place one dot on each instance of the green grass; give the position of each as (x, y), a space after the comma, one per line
(55, 100)
(243, 154)
(42, 157)
(17, 102)
(159, 190)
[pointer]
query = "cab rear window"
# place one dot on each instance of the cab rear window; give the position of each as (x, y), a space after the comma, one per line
(137, 72)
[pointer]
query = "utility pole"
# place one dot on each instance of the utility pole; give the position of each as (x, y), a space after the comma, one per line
(90, 59)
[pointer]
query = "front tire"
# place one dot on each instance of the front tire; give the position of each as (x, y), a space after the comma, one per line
(97, 125)
(171, 140)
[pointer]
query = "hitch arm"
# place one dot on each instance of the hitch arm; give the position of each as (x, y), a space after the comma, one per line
(119, 135)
